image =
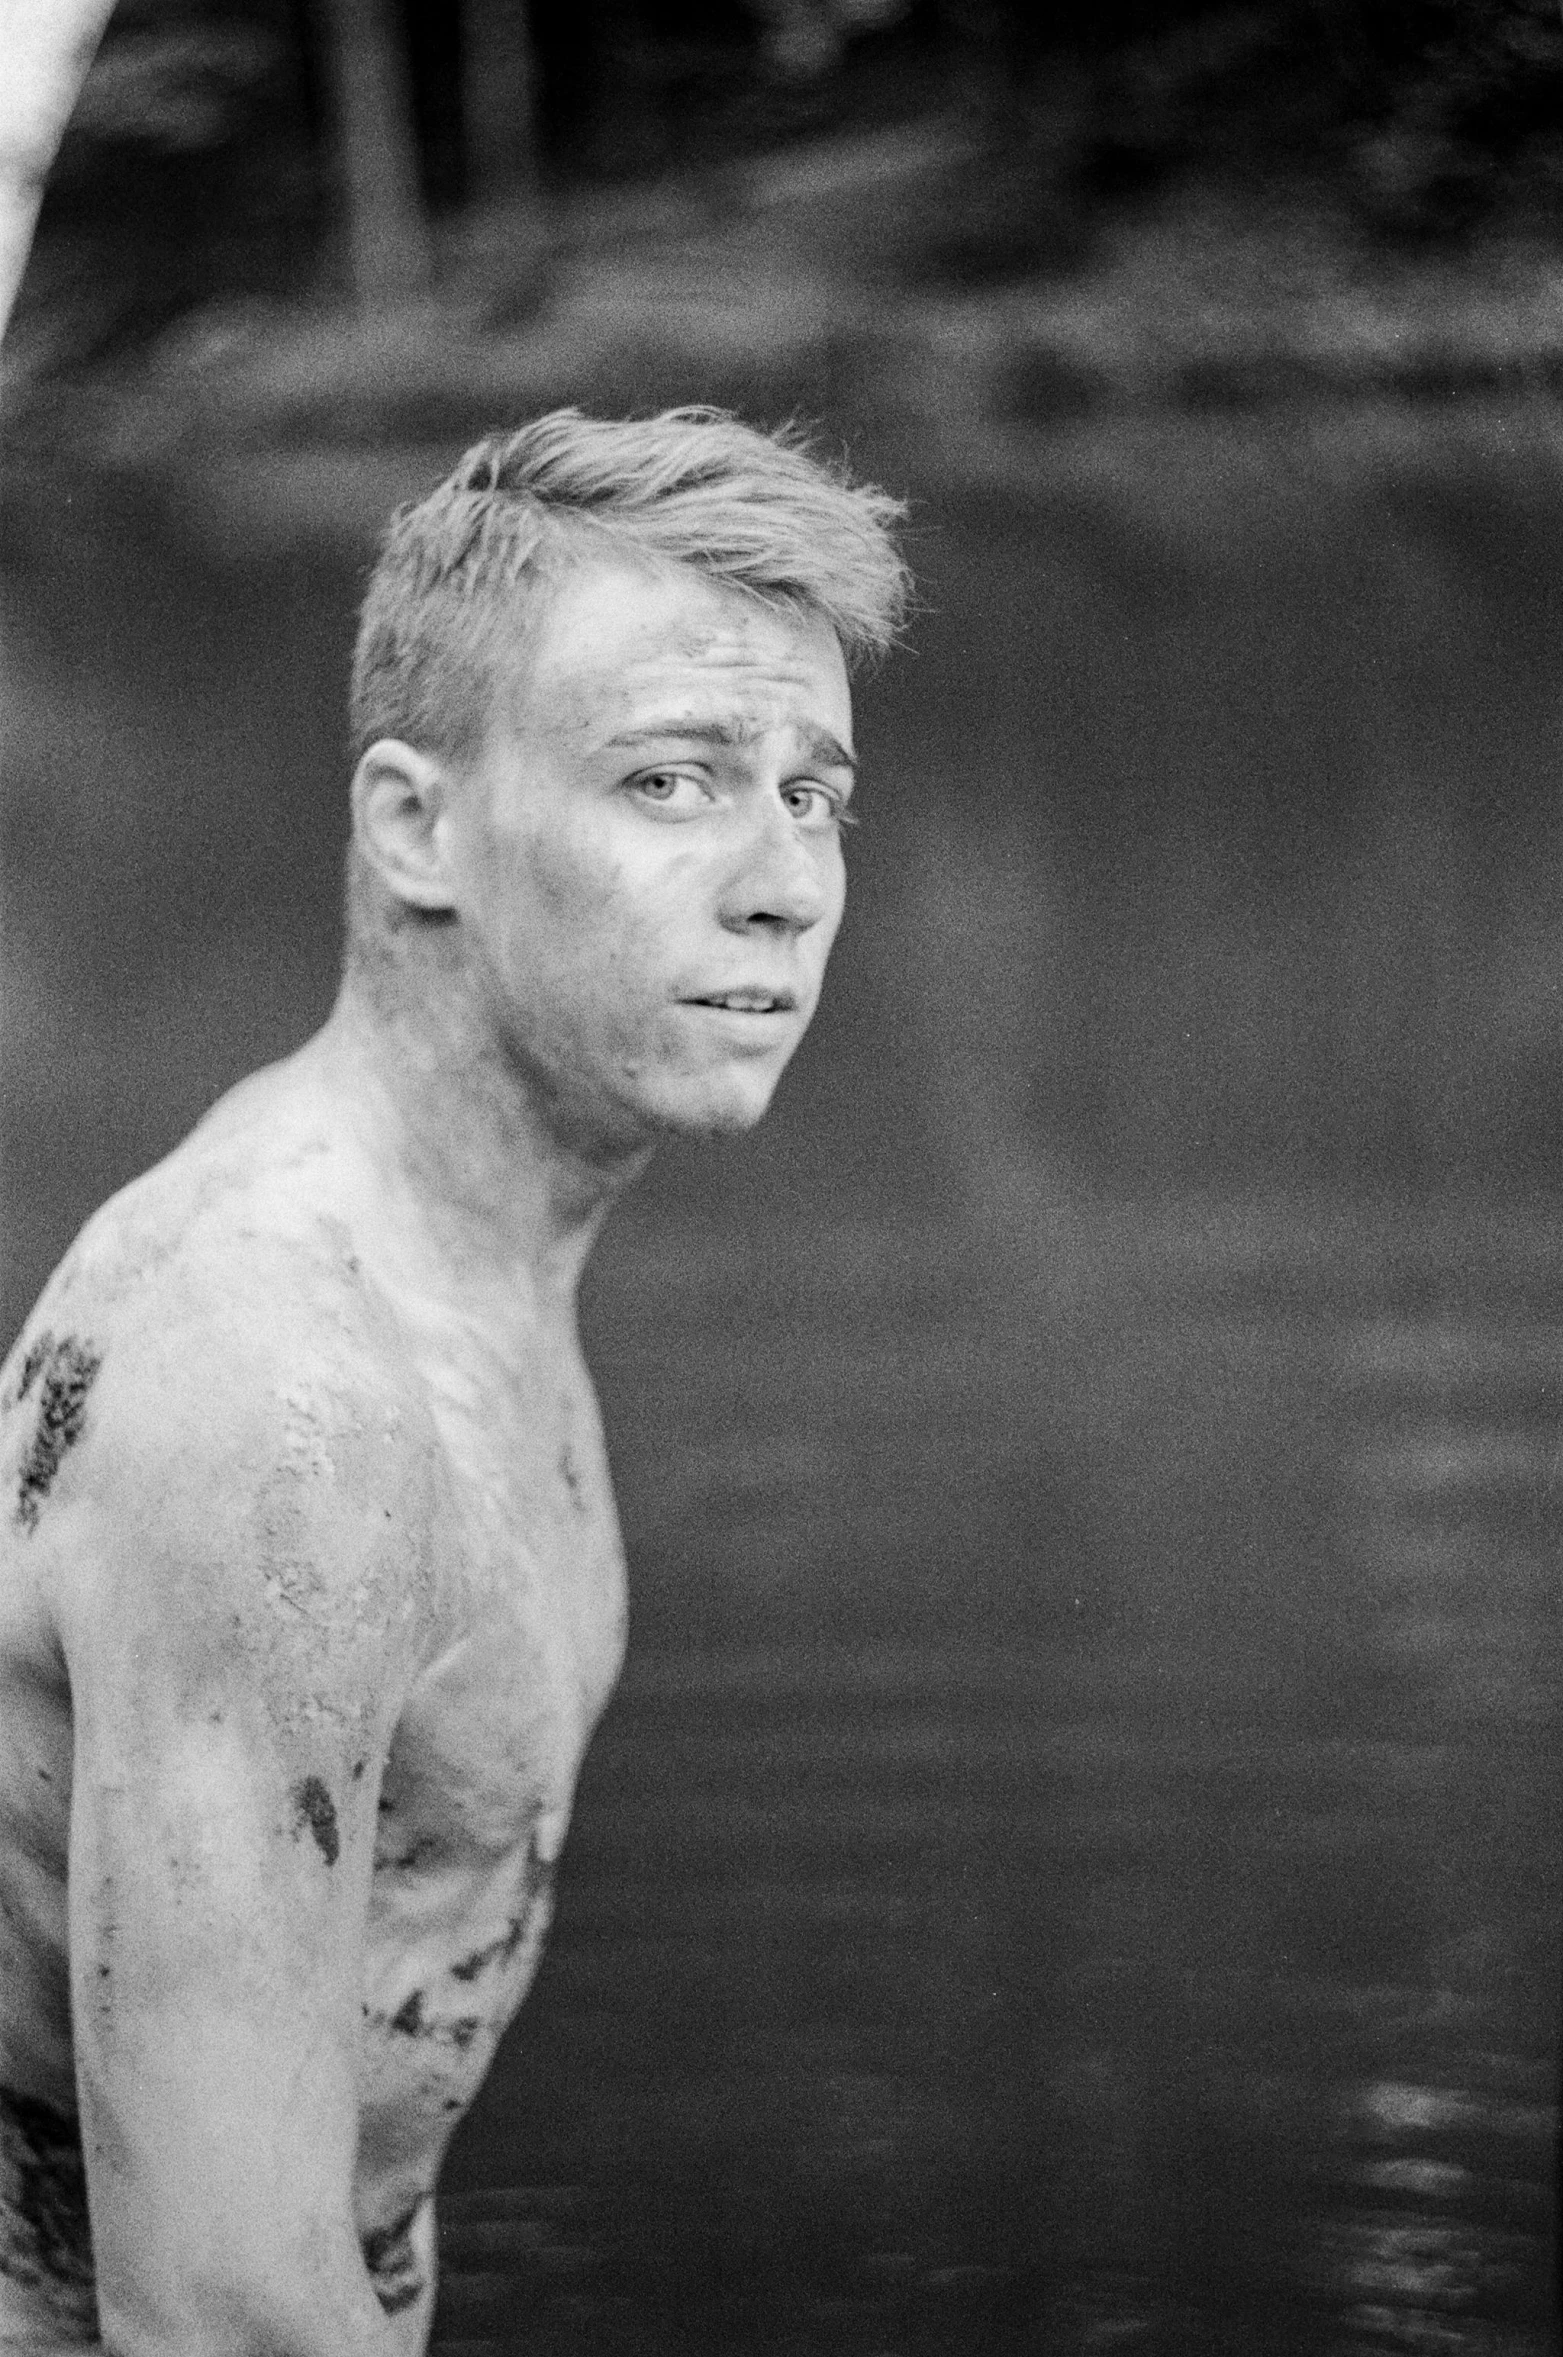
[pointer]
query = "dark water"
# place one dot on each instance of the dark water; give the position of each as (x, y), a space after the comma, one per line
(1074, 1863)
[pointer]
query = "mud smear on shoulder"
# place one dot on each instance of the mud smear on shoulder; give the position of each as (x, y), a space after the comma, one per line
(65, 1372)
(45, 2243)
(38, 1356)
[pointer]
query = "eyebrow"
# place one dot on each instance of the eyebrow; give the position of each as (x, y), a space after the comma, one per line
(818, 743)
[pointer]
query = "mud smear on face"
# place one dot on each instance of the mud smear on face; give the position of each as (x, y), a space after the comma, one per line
(317, 1810)
(45, 2244)
(65, 1372)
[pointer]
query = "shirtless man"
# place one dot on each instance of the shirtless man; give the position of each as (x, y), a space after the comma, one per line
(310, 1584)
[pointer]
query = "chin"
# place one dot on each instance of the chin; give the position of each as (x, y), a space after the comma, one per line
(714, 1104)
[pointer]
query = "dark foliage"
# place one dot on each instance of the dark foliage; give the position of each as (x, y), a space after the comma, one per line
(202, 149)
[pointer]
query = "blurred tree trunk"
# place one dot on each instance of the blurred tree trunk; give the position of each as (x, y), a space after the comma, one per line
(387, 231)
(499, 101)
(47, 46)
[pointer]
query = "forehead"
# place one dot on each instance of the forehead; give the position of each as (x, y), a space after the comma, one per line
(618, 643)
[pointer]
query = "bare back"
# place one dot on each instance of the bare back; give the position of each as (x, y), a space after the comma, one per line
(311, 1593)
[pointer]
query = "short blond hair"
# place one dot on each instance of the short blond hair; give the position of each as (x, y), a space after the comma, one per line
(762, 511)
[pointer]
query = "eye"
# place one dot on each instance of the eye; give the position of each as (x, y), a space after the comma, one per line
(673, 790)
(817, 807)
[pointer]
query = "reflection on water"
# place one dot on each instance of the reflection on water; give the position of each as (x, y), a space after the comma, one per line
(1074, 1865)
(1438, 2249)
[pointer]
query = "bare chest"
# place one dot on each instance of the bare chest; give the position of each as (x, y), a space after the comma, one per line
(534, 1560)
(480, 1780)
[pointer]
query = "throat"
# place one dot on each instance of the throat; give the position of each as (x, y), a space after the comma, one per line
(486, 1179)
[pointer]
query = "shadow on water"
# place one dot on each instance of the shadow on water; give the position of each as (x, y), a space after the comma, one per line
(1074, 1864)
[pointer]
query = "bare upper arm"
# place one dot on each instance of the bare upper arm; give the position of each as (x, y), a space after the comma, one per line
(251, 1501)
(242, 1583)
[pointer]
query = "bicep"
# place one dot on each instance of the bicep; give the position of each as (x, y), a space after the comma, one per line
(236, 1663)
(235, 1676)
(216, 1862)
(214, 1965)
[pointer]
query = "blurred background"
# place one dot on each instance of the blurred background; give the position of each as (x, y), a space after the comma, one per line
(1074, 1863)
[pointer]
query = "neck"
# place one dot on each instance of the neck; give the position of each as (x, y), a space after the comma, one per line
(474, 1166)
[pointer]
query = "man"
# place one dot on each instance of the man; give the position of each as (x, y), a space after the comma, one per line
(310, 1584)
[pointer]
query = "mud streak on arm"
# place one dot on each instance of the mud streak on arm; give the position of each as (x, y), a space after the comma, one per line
(317, 1810)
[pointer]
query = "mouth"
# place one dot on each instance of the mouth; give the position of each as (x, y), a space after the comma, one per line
(747, 1002)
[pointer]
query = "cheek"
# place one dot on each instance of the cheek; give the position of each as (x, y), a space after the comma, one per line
(571, 882)
(551, 910)
(585, 932)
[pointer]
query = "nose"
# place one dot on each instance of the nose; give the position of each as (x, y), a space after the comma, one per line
(782, 881)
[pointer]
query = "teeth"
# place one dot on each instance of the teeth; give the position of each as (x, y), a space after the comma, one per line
(748, 1002)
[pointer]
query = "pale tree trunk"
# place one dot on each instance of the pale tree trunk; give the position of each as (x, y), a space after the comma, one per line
(46, 47)
(499, 102)
(387, 232)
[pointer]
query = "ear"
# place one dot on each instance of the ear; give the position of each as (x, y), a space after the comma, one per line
(401, 823)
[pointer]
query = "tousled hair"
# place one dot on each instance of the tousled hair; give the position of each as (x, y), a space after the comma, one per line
(458, 570)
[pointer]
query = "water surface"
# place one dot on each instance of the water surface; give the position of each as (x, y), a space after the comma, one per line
(1074, 1863)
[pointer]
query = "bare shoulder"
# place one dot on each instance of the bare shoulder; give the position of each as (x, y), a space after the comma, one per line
(210, 1379)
